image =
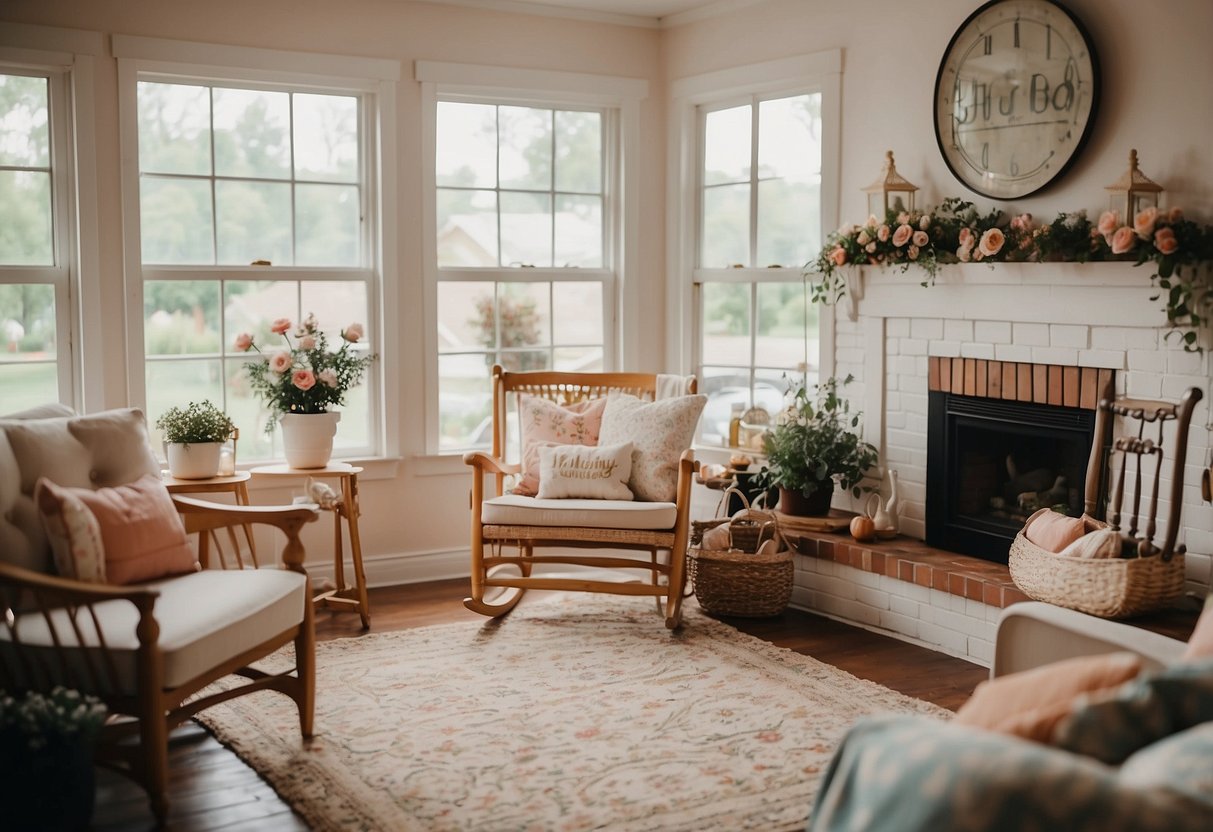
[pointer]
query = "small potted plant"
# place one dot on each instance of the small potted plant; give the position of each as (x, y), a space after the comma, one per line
(193, 439)
(813, 446)
(46, 759)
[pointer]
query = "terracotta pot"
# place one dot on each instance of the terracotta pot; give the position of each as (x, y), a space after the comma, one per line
(307, 438)
(817, 505)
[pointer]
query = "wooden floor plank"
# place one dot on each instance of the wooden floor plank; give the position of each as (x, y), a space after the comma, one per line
(210, 788)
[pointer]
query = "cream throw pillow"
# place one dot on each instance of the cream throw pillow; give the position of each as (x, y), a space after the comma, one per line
(659, 432)
(599, 473)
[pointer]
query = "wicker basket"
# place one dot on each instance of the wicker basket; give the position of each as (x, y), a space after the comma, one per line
(732, 582)
(1107, 587)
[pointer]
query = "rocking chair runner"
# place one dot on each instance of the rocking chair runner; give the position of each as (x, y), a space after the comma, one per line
(528, 523)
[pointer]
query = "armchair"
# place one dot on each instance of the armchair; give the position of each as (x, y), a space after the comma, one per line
(147, 650)
(528, 523)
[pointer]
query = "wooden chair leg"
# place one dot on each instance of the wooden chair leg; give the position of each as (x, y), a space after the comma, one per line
(305, 666)
(153, 742)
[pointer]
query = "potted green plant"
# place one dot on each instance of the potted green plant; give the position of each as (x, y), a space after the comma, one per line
(814, 445)
(46, 759)
(193, 439)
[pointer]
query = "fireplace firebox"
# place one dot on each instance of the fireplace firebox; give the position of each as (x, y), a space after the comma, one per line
(996, 455)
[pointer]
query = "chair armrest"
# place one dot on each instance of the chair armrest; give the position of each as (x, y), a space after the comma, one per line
(687, 466)
(1032, 633)
(486, 463)
(200, 516)
(71, 591)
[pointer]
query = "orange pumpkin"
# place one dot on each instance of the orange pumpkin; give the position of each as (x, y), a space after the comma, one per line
(863, 529)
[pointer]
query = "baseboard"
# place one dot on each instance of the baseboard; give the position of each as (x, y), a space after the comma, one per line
(402, 567)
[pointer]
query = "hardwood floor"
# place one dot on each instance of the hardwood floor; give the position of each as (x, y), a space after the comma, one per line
(210, 788)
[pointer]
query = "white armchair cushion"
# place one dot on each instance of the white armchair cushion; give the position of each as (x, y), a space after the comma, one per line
(206, 618)
(516, 510)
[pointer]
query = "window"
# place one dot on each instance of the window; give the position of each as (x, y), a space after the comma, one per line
(522, 256)
(254, 204)
(759, 223)
(750, 211)
(35, 361)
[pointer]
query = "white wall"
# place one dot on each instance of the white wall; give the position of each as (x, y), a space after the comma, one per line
(413, 514)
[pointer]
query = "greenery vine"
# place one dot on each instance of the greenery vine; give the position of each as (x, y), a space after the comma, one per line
(1179, 250)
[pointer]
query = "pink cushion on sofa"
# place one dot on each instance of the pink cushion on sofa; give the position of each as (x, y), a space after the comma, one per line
(1053, 531)
(143, 534)
(545, 423)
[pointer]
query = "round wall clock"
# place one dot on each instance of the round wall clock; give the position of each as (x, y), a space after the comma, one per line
(1015, 97)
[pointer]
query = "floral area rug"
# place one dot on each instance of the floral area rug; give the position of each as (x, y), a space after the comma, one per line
(574, 712)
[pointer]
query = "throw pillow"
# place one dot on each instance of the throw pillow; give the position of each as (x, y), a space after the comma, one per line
(659, 432)
(1200, 645)
(1031, 703)
(141, 530)
(1101, 543)
(1053, 531)
(544, 421)
(597, 473)
(73, 532)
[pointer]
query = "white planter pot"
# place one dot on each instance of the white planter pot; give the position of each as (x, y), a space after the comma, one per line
(307, 438)
(195, 461)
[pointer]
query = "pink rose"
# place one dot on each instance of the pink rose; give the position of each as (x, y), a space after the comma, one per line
(966, 237)
(1144, 222)
(280, 362)
(962, 253)
(244, 341)
(925, 222)
(920, 238)
(991, 242)
(977, 255)
(307, 342)
(303, 379)
(1164, 241)
(839, 256)
(912, 251)
(1022, 222)
(1109, 221)
(870, 247)
(902, 235)
(872, 221)
(353, 333)
(327, 377)
(903, 218)
(280, 326)
(863, 239)
(1175, 215)
(1123, 239)
(882, 233)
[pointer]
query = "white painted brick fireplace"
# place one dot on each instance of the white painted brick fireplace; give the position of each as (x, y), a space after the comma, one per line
(1090, 315)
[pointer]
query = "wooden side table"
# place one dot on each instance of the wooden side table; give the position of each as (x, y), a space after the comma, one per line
(236, 484)
(343, 596)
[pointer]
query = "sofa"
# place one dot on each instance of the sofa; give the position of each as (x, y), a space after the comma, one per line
(1134, 756)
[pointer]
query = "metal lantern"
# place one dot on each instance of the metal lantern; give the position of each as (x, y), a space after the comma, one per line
(1133, 192)
(890, 192)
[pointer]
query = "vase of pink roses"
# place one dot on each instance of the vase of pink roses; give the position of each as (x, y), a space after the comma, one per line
(302, 383)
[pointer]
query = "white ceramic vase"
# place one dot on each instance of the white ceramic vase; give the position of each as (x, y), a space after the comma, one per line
(195, 461)
(307, 438)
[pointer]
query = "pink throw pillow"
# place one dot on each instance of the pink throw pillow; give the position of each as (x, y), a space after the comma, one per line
(1031, 703)
(1053, 531)
(1200, 645)
(143, 534)
(73, 531)
(545, 423)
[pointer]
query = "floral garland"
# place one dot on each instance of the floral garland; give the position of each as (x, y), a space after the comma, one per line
(955, 232)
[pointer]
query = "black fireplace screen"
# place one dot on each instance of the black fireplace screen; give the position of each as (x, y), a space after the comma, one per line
(991, 463)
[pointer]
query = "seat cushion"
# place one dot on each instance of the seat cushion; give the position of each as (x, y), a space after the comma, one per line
(516, 510)
(205, 619)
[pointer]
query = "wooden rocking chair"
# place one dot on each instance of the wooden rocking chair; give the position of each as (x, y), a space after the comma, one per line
(499, 520)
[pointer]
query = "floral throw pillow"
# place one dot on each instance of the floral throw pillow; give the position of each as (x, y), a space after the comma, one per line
(73, 532)
(595, 473)
(544, 422)
(659, 432)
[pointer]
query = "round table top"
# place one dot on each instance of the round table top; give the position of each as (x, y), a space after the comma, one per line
(284, 470)
(238, 477)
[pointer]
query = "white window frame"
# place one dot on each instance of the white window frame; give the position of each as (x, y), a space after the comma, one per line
(374, 81)
(820, 72)
(66, 57)
(619, 98)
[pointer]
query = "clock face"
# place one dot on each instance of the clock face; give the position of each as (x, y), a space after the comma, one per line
(1015, 97)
